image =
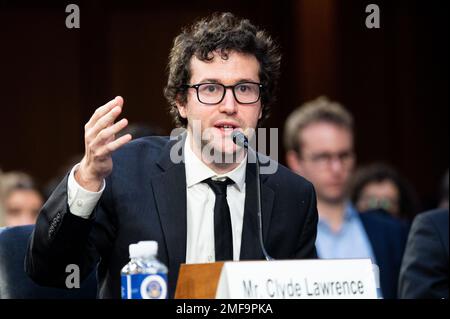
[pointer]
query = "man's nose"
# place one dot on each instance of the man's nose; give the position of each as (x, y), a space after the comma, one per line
(336, 164)
(229, 103)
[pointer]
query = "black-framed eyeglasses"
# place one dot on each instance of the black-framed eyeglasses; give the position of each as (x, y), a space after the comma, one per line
(214, 93)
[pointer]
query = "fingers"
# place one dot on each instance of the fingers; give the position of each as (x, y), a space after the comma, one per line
(105, 121)
(103, 117)
(100, 142)
(101, 111)
(103, 152)
(114, 145)
(107, 134)
(100, 131)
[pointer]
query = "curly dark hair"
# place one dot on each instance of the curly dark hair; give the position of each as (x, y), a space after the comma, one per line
(222, 33)
(378, 172)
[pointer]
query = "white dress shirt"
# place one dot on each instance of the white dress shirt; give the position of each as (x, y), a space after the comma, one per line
(200, 205)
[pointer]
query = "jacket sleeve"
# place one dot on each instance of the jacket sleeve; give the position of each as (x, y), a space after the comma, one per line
(61, 238)
(424, 270)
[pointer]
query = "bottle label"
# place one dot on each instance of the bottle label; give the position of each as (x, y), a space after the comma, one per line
(144, 286)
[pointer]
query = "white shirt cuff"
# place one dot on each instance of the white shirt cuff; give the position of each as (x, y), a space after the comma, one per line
(81, 201)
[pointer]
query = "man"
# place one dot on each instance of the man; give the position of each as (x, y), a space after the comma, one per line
(222, 75)
(424, 271)
(20, 200)
(22, 206)
(319, 143)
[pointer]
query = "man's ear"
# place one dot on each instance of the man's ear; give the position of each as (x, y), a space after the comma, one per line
(292, 161)
(181, 107)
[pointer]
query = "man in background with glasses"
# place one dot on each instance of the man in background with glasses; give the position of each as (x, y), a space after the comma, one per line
(222, 78)
(319, 139)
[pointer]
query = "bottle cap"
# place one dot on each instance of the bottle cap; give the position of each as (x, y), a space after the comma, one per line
(134, 250)
(148, 248)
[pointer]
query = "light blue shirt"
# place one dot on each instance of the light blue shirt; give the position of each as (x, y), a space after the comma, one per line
(351, 241)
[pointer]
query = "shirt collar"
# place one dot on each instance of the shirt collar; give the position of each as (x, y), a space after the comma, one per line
(197, 171)
(350, 213)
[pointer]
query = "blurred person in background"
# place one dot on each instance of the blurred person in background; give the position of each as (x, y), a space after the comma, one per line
(7, 181)
(379, 186)
(319, 140)
(424, 271)
(20, 199)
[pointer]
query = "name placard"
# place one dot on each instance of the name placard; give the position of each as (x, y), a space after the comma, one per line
(298, 279)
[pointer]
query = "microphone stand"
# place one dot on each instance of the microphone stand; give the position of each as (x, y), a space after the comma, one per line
(241, 140)
(258, 207)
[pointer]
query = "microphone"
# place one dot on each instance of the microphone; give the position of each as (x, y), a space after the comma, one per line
(241, 140)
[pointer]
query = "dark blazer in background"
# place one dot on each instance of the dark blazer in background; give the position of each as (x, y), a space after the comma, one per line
(15, 283)
(387, 236)
(424, 272)
(145, 199)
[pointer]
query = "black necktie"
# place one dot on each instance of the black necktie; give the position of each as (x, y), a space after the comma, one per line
(223, 235)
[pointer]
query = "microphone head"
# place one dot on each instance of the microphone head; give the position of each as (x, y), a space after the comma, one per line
(240, 139)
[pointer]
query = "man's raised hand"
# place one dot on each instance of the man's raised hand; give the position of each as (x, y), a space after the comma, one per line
(100, 142)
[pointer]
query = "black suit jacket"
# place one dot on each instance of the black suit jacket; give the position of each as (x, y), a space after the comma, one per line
(387, 236)
(145, 199)
(424, 271)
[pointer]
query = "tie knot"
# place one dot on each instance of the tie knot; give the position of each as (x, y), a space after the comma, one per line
(219, 187)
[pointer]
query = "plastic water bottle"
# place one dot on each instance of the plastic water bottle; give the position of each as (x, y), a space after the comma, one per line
(154, 286)
(134, 267)
(144, 277)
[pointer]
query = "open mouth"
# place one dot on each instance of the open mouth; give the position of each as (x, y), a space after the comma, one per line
(225, 128)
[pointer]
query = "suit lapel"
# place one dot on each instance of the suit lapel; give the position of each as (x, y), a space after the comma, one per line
(376, 238)
(169, 188)
(250, 246)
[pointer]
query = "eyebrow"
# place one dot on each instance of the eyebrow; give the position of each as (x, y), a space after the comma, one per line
(217, 81)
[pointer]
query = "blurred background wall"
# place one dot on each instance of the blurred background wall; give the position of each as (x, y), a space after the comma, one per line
(393, 79)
